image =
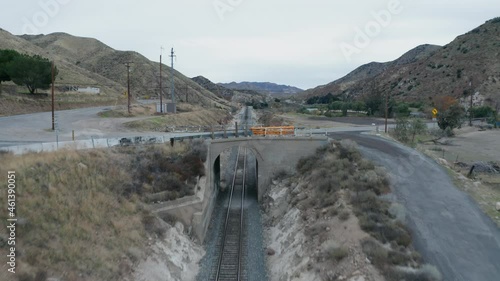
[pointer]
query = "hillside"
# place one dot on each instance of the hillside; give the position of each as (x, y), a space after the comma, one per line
(96, 57)
(87, 62)
(264, 87)
(69, 73)
(240, 96)
(470, 63)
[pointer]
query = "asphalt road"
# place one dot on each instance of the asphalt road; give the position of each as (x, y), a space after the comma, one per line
(37, 127)
(449, 229)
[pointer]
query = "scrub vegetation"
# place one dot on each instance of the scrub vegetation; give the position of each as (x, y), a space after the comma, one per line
(82, 214)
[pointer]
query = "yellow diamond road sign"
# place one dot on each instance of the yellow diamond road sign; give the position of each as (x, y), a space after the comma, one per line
(435, 111)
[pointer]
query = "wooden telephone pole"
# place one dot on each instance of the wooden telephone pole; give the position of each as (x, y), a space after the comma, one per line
(161, 93)
(52, 91)
(127, 64)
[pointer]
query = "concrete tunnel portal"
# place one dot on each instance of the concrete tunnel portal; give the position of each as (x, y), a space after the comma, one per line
(223, 169)
(272, 155)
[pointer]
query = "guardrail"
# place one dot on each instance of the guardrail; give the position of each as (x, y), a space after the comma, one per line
(141, 140)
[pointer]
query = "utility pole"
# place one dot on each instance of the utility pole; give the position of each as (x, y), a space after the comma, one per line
(172, 90)
(52, 91)
(161, 93)
(127, 64)
(386, 110)
(470, 108)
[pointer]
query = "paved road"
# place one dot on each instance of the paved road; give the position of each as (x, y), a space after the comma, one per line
(36, 127)
(449, 229)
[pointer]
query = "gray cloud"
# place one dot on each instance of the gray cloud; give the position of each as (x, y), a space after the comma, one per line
(290, 42)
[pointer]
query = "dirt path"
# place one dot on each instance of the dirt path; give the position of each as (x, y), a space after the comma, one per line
(450, 231)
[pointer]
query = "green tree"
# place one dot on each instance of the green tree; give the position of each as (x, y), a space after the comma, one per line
(406, 128)
(345, 107)
(34, 72)
(481, 111)
(451, 118)
(375, 103)
(402, 129)
(402, 109)
(359, 106)
(6, 56)
(336, 105)
(417, 126)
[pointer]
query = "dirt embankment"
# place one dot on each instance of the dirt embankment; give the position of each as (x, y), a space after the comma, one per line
(329, 223)
(83, 215)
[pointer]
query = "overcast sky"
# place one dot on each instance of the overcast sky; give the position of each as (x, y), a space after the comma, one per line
(299, 43)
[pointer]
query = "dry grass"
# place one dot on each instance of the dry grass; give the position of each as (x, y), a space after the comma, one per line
(11, 104)
(78, 212)
(196, 118)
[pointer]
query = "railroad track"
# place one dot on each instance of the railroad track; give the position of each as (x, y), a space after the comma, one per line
(231, 256)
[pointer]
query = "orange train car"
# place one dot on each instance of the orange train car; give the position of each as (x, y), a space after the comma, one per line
(273, 131)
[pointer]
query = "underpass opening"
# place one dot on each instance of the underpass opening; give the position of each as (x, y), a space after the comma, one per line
(223, 170)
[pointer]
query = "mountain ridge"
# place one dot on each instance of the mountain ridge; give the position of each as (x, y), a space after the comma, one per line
(263, 87)
(88, 61)
(468, 64)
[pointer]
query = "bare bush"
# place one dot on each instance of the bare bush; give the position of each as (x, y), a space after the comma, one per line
(375, 252)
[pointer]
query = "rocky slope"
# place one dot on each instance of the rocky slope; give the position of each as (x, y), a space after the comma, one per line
(299, 257)
(470, 63)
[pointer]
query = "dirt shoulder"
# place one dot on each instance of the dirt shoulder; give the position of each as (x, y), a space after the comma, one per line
(15, 104)
(471, 146)
(449, 229)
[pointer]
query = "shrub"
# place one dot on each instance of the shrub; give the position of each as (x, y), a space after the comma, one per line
(332, 251)
(451, 118)
(481, 111)
(199, 149)
(375, 252)
(426, 273)
(338, 253)
(24, 277)
(398, 212)
(306, 164)
(41, 276)
(398, 258)
(344, 215)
